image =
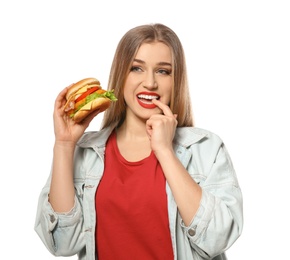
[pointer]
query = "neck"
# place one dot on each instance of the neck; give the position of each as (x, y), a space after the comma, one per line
(132, 129)
(133, 141)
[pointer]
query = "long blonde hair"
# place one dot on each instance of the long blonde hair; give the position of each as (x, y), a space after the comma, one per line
(127, 48)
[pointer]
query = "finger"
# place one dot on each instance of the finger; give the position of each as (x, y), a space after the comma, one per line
(149, 129)
(61, 96)
(59, 103)
(64, 91)
(165, 109)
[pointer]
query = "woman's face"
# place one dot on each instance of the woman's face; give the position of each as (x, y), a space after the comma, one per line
(150, 77)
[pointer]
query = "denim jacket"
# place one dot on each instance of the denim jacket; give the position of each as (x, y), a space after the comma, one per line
(214, 228)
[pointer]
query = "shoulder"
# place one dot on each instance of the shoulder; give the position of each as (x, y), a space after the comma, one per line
(94, 138)
(203, 146)
(188, 136)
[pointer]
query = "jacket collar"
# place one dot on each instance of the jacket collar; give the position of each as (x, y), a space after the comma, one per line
(95, 139)
(187, 136)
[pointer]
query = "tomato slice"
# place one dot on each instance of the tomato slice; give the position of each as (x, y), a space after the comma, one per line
(85, 94)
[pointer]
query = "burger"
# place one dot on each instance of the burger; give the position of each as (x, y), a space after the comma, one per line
(85, 97)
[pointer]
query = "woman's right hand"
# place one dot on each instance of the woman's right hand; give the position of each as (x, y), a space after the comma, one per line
(66, 131)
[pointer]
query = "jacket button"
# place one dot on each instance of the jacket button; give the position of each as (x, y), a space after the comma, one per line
(52, 218)
(191, 232)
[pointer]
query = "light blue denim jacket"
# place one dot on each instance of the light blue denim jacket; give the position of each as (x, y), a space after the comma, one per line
(215, 227)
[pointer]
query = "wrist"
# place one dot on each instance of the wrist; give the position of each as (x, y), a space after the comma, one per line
(64, 145)
(164, 154)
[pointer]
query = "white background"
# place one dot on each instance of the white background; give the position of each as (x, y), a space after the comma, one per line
(238, 63)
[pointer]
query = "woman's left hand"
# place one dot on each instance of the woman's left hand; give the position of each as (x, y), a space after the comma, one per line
(161, 128)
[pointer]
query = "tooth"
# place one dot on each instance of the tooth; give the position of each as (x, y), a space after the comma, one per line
(147, 97)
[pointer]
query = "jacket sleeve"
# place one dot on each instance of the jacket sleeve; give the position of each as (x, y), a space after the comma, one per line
(219, 220)
(63, 233)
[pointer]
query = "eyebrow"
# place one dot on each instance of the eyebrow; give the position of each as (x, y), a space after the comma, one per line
(163, 63)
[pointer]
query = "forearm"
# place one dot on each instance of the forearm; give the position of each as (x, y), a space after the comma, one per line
(186, 192)
(62, 193)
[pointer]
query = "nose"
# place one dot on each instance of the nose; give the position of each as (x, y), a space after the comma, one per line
(150, 81)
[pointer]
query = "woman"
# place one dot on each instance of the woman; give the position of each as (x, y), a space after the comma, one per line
(148, 185)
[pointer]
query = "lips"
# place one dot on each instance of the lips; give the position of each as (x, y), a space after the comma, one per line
(145, 99)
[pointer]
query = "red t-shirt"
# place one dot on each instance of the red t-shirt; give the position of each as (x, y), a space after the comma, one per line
(131, 209)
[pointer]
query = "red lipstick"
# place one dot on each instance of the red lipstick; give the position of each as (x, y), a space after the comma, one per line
(145, 99)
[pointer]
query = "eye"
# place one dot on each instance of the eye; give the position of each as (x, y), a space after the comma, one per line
(164, 71)
(135, 68)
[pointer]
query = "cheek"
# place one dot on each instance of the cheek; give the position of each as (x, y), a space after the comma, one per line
(128, 94)
(126, 89)
(169, 91)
